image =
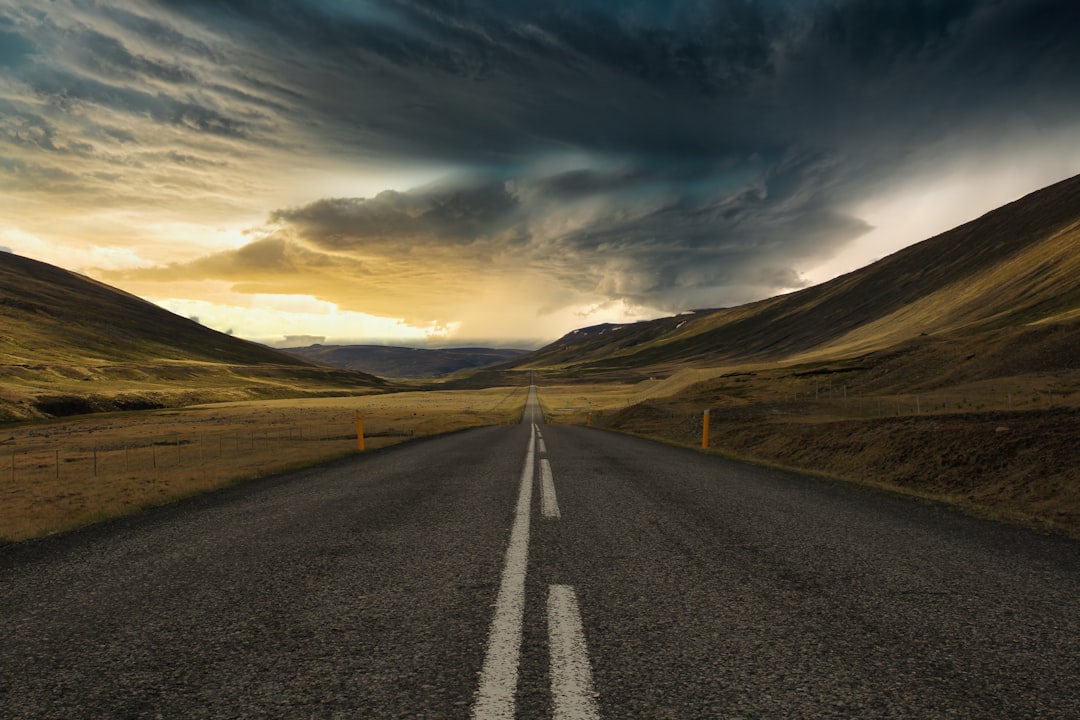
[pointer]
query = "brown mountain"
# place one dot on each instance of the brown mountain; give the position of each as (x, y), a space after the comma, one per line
(1005, 287)
(70, 344)
(950, 370)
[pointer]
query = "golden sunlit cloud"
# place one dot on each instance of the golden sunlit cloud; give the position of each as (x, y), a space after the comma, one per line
(276, 319)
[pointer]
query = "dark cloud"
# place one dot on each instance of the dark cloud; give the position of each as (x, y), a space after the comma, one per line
(668, 154)
(625, 234)
(735, 244)
(507, 81)
(66, 90)
(109, 57)
(14, 48)
(161, 35)
(454, 214)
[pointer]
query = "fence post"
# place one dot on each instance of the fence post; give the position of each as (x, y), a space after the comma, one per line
(705, 430)
(359, 431)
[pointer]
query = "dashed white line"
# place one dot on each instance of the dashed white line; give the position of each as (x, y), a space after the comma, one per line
(549, 505)
(542, 446)
(571, 676)
(572, 690)
(499, 674)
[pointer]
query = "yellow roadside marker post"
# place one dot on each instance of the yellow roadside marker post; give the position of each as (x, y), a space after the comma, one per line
(359, 431)
(705, 431)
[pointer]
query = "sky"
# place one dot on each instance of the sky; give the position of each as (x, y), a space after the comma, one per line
(450, 172)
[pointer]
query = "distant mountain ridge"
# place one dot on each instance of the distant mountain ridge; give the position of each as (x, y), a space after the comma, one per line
(403, 362)
(1013, 271)
(70, 344)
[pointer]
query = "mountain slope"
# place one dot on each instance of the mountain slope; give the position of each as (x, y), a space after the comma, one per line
(71, 344)
(1014, 269)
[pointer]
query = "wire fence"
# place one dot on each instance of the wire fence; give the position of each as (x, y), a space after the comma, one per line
(59, 474)
(163, 444)
(60, 458)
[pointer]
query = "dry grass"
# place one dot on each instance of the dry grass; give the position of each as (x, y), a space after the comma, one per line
(1004, 448)
(61, 474)
(816, 394)
(571, 404)
(28, 392)
(70, 346)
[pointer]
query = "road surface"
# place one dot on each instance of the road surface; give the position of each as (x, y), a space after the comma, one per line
(541, 572)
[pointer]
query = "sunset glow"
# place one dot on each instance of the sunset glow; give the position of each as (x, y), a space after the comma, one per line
(394, 172)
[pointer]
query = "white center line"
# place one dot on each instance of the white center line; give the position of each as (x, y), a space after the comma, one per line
(549, 505)
(499, 675)
(543, 447)
(571, 677)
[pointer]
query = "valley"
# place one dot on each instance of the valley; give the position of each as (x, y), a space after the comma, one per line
(949, 371)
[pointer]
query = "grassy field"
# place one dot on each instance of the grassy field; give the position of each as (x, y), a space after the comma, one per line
(819, 393)
(572, 404)
(1004, 448)
(61, 474)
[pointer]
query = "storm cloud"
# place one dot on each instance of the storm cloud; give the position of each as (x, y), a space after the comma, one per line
(627, 235)
(664, 155)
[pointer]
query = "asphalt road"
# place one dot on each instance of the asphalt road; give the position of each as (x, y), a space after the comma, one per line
(440, 579)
